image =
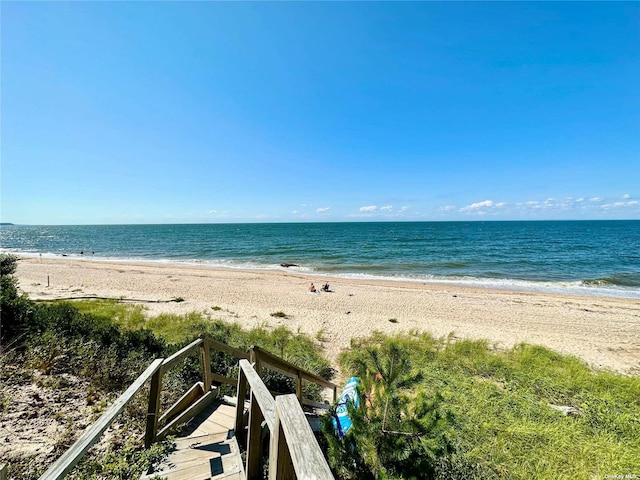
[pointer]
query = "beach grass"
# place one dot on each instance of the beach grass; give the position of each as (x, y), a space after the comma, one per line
(178, 329)
(505, 407)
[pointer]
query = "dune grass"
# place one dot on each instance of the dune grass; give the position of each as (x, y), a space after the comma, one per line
(299, 349)
(503, 424)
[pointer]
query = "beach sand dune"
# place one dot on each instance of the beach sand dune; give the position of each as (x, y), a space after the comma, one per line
(605, 332)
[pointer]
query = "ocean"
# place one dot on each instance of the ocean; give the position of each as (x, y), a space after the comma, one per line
(576, 257)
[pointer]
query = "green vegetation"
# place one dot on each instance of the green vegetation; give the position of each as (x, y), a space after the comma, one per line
(81, 356)
(440, 409)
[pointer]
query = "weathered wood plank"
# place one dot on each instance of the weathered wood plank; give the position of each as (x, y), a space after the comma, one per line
(242, 392)
(254, 439)
(222, 379)
(306, 456)
(280, 465)
(260, 392)
(205, 354)
(180, 354)
(195, 392)
(223, 347)
(153, 409)
(290, 369)
(188, 414)
(314, 404)
(3, 472)
(72, 456)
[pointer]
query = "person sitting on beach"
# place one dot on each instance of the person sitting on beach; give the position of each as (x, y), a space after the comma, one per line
(312, 289)
(325, 288)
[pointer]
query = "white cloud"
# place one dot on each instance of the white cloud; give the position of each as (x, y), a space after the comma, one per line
(386, 208)
(447, 208)
(323, 209)
(404, 209)
(596, 199)
(626, 196)
(500, 205)
(578, 200)
(486, 203)
(632, 202)
(369, 208)
(477, 206)
(533, 202)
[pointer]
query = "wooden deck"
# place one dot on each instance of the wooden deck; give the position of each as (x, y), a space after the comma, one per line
(205, 449)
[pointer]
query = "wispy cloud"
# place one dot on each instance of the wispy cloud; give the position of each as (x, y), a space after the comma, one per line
(218, 213)
(369, 209)
(323, 209)
(386, 211)
(630, 203)
(552, 207)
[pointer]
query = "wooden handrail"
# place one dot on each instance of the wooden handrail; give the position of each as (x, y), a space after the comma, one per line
(292, 441)
(263, 358)
(180, 354)
(293, 444)
(259, 392)
(72, 456)
(290, 369)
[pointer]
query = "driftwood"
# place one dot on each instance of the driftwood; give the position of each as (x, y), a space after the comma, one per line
(95, 297)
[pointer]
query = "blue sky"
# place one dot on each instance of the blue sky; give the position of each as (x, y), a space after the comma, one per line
(180, 112)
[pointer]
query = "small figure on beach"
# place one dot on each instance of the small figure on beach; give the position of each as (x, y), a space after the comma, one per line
(312, 289)
(325, 288)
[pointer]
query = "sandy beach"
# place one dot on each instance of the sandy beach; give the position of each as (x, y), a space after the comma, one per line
(604, 332)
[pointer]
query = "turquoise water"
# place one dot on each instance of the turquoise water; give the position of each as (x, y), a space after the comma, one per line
(585, 257)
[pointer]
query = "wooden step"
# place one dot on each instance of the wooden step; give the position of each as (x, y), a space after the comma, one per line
(214, 456)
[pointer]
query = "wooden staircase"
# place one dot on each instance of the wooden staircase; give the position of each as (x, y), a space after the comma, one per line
(206, 449)
(205, 424)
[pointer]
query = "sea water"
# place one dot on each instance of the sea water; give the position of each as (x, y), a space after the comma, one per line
(578, 257)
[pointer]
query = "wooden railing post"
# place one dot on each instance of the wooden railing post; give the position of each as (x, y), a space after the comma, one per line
(298, 381)
(206, 363)
(254, 439)
(241, 393)
(153, 409)
(280, 464)
(254, 357)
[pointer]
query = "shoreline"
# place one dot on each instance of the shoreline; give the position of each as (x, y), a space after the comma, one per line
(603, 331)
(565, 287)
